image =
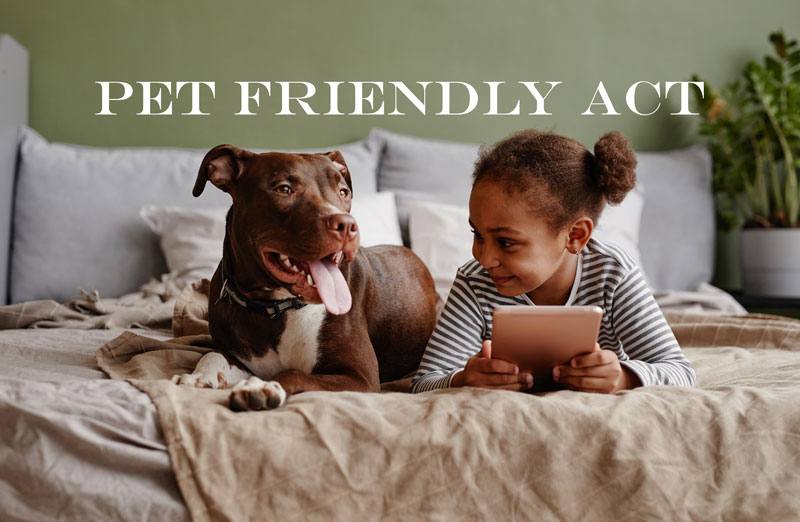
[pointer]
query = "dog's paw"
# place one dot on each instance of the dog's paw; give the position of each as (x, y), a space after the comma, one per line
(254, 394)
(200, 380)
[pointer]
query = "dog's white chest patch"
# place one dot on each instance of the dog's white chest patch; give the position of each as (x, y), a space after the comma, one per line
(298, 347)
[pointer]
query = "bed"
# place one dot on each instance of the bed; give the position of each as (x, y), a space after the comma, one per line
(105, 260)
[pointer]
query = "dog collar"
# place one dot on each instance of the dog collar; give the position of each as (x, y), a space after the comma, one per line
(269, 307)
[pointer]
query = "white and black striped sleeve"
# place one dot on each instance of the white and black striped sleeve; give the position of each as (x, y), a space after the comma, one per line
(457, 337)
(647, 340)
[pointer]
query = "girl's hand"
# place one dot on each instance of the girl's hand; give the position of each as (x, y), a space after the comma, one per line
(484, 372)
(598, 372)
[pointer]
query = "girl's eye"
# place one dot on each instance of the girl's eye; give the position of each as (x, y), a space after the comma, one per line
(343, 192)
(504, 243)
(475, 233)
(284, 189)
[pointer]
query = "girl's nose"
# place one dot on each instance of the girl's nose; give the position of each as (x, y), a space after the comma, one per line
(487, 256)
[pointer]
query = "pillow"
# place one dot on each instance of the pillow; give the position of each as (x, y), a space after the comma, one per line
(418, 169)
(441, 236)
(191, 239)
(620, 225)
(376, 215)
(677, 239)
(76, 212)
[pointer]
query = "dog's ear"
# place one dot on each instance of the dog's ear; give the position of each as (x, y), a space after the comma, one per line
(338, 161)
(221, 166)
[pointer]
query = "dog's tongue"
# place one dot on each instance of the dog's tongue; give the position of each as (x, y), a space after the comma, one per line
(331, 286)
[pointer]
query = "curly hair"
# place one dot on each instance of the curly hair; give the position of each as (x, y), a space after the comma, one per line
(557, 176)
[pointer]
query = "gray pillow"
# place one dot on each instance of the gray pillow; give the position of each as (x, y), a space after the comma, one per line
(419, 169)
(677, 234)
(76, 216)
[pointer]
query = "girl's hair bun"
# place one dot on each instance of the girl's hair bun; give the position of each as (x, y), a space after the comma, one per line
(615, 164)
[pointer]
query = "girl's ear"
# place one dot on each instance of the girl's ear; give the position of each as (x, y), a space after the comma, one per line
(579, 233)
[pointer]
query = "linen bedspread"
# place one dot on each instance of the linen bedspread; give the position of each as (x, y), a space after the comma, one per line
(726, 450)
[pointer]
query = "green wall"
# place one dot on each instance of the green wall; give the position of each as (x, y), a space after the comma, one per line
(73, 44)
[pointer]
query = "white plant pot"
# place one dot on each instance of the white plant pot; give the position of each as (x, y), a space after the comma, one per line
(771, 262)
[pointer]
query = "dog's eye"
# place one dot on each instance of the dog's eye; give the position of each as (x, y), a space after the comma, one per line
(284, 189)
(343, 192)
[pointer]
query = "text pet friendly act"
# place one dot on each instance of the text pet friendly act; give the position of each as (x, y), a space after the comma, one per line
(446, 98)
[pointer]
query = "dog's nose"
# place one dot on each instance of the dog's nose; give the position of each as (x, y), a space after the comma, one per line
(343, 226)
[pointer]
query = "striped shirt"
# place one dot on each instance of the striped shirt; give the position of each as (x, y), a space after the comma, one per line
(632, 325)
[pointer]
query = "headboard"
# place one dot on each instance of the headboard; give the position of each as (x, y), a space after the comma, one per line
(13, 113)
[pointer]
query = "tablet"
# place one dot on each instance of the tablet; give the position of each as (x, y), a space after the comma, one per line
(537, 338)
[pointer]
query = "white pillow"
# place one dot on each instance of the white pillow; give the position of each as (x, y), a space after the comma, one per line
(440, 234)
(191, 239)
(619, 225)
(376, 215)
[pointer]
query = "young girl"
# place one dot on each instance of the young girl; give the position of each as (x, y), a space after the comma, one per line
(535, 200)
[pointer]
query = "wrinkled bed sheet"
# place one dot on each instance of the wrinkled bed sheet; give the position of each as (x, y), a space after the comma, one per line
(75, 445)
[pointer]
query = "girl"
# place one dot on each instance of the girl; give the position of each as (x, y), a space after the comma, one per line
(535, 200)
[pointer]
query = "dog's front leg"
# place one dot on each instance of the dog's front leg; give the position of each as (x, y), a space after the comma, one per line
(212, 371)
(342, 368)
(256, 394)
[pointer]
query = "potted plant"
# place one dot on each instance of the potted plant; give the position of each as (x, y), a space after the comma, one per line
(753, 130)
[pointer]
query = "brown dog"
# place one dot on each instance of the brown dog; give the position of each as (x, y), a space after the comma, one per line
(295, 300)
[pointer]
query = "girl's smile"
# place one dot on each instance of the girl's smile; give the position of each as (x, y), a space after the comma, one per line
(500, 281)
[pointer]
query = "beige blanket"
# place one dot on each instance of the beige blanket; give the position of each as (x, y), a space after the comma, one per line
(151, 307)
(725, 451)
